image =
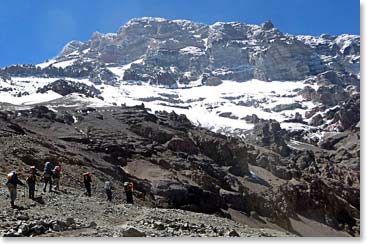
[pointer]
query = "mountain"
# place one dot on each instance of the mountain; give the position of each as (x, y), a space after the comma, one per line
(222, 71)
(263, 125)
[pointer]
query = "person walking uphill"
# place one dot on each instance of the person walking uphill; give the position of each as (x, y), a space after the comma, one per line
(47, 175)
(31, 181)
(87, 183)
(129, 188)
(12, 184)
(56, 175)
(108, 188)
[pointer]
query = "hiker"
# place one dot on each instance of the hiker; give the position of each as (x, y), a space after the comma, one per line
(87, 183)
(47, 176)
(108, 188)
(56, 175)
(129, 188)
(31, 181)
(12, 184)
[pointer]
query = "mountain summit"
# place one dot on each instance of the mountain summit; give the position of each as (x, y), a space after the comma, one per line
(180, 51)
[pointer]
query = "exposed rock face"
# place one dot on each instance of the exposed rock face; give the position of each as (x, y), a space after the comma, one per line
(316, 120)
(65, 87)
(178, 50)
(270, 134)
(349, 114)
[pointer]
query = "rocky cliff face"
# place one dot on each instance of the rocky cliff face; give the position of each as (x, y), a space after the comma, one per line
(230, 51)
(179, 51)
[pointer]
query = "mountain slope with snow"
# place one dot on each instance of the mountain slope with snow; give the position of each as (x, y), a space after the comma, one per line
(224, 76)
(290, 105)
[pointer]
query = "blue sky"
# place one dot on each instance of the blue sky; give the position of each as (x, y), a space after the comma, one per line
(34, 30)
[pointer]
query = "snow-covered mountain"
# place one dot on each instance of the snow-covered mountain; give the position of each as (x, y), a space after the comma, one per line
(224, 76)
(291, 104)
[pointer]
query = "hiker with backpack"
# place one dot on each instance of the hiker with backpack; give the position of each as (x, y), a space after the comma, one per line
(12, 184)
(47, 176)
(129, 188)
(108, 188)
(31, 181)
(56, 175)
(87, 183)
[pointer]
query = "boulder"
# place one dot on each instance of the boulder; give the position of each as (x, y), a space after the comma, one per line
(132, 232)
(317, 120)
(182, 145)
(59, 225)
(233, 233)
(211, 81)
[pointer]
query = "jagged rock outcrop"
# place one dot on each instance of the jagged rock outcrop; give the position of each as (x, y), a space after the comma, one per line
(66, 87)
(269, 134)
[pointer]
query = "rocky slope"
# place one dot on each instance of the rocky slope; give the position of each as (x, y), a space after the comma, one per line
(177, 165)
(70, 214)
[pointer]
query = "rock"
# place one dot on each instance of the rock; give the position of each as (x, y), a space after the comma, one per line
(72, 227)
(159, 225)
(59, 225)
(132, 232)
(349, 114)
(251, 118)
(24, 229)
(233, 233)
(270, 134)
(65, 87)
(70, 221)
(316, 120)
(228, 115)
(211, 81)
(234, 200)
(92, 225)
(23, 217)
(38, 230)
(330, 95)
(11, 233)
(267, 25)
(283, 107)
(308, 93)
(182, 145)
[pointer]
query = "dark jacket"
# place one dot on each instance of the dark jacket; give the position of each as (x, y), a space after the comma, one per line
(87, 180)
(31, 180)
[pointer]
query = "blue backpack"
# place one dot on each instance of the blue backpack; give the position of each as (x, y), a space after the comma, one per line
(48, 168)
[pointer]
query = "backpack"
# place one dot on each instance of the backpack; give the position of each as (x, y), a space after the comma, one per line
(56, 173)
(48, 168)
(108, 185)
(10, 176)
